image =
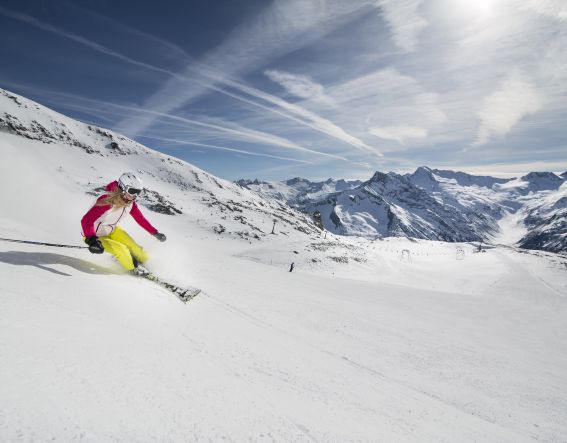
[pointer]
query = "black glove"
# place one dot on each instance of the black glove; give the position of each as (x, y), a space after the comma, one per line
(95, 246)
(161, 237)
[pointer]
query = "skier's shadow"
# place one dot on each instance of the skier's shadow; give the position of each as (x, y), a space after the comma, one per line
(41, 260)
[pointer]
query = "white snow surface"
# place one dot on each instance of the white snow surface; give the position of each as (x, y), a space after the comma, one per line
(373, 341)
(512, 228)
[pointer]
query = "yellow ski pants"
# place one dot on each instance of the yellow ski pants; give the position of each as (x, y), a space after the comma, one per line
(124, 248)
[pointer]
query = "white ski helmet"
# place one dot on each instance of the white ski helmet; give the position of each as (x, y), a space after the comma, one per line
(130, 184)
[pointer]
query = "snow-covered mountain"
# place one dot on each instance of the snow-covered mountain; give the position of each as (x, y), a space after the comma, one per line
(390, 205)
(465, 192)
(434, 204)
(235, 211)
(534, 199)
(296, 192)
(392, 339)
(546, 220)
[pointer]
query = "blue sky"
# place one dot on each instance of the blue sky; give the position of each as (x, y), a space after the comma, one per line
(274, 89)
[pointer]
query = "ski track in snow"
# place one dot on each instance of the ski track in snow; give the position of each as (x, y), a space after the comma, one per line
(400, 388)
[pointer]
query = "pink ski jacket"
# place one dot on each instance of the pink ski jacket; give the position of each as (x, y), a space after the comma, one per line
(102, 220)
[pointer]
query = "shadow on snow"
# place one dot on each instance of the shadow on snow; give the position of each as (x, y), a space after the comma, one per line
(42, 260)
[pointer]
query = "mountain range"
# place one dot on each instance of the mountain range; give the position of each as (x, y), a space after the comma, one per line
(434, 204)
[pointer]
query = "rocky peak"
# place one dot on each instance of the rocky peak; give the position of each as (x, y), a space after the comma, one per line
(378, 177)
(535, 176)
(540, 181)
(296, 180)
(423, 170)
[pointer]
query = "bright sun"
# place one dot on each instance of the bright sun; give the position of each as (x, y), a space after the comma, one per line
(476, 7)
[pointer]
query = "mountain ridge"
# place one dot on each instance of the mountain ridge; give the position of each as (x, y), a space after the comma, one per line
(454, 205)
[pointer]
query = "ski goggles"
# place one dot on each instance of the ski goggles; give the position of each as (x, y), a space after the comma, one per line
(133, 191)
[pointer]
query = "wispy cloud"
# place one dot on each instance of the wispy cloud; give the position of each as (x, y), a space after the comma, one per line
(504, 108)
(301, 86)
(213, 127)
(389, 105)
(303, 116)
(283, 27)
(192, 86)
(513, 168)
(405, 21)
(224, 148)
(32, 21)
(239, 132)
(551, 8)
(399, 133)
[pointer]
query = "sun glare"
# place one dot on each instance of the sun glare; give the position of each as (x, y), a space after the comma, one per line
(484, 6)
(476, 7)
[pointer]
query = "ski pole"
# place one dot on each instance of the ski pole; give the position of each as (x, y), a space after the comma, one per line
(43, 243)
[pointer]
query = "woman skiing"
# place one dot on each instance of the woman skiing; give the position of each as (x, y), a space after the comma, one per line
(100, 224)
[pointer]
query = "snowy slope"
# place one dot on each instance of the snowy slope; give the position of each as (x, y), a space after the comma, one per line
(386, 340)
(110, 154)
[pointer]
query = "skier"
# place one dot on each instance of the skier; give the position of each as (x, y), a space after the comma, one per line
(100, 224)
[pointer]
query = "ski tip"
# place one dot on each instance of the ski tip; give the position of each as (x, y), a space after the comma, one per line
(191, 295)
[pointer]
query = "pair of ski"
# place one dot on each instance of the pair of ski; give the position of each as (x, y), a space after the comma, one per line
(183, 293)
